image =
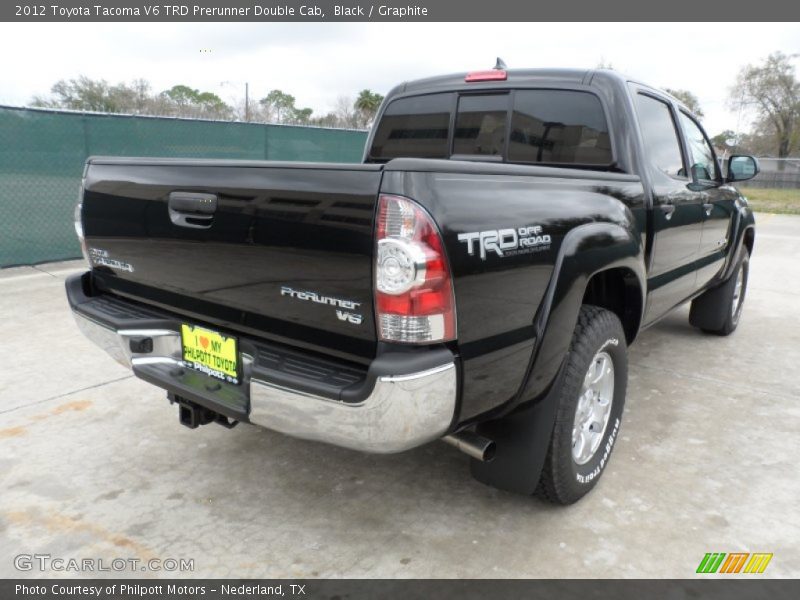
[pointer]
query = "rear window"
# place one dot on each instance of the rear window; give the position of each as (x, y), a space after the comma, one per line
(481, 125)
(561, 127)
(416, 127)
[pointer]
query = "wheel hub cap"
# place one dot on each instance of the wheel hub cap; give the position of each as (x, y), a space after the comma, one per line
(594, 408)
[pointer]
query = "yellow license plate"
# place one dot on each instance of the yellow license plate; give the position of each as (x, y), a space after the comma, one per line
(210, 352)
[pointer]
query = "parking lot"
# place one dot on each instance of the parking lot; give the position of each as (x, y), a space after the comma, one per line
(93, 463)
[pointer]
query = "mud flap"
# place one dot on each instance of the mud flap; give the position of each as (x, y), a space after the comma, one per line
(522, 440)
(709, 310)
(705, 312)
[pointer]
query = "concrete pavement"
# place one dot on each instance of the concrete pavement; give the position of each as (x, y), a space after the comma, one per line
(93, 463)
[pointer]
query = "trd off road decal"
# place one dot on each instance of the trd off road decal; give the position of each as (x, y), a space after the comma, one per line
(506, 242)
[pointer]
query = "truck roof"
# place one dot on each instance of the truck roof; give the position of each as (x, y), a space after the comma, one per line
(516, 78)
(522, 78)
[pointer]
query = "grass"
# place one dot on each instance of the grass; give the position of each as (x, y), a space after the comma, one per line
(786, 202)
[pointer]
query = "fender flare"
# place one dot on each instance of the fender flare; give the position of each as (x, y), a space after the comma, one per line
(743, 223)
(523, 433)
(586, 251)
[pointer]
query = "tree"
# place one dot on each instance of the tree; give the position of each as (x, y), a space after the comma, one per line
(721, 139)
(279, 107)
(689, 99)
(328, 120)
(184, 101)
(726, 142)
(136, 97)
(366, 106)
(345, 112)
(181, 100)
(80, 94)
(141, 95)
(772, 91)
(182, 95)
(302, 116)
(211, 103)
(757, 144)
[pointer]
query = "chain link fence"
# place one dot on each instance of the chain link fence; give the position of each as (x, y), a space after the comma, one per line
(779, 173)
(42, 153)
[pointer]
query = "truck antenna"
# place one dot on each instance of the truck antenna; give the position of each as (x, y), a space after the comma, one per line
(501, 64)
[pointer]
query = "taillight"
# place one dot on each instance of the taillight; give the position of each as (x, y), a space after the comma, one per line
(414, 300)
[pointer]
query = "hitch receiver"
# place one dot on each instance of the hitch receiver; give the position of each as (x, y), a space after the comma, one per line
(192, 415)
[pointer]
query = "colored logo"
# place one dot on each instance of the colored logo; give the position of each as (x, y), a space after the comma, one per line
(734, 562)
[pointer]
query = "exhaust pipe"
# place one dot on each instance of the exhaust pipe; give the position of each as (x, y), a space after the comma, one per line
(472, 444)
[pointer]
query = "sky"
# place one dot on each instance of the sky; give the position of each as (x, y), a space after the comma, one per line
(318, 62)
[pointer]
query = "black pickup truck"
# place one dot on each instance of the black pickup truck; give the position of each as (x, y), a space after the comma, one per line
(477, 279)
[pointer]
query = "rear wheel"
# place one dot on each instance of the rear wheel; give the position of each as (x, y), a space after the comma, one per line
(591, 398)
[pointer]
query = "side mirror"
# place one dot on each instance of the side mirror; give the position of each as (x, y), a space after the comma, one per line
(742, 168)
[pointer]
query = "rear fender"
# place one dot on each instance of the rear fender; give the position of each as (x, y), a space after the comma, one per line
(586, 251)
(523, 436)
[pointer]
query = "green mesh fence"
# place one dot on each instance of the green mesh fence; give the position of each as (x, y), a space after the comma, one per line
(42, 155)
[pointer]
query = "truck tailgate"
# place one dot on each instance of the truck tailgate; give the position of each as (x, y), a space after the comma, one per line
(283, 249)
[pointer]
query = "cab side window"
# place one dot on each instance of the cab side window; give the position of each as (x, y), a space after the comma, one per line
(559, 127)
(417, 126)
(660, 136)
(704, 167)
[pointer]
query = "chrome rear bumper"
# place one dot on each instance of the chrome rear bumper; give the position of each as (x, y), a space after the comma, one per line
(403, 410)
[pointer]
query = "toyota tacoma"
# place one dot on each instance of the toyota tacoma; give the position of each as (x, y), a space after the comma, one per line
(477, 279)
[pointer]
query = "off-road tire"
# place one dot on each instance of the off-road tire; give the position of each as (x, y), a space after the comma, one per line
(563, 480)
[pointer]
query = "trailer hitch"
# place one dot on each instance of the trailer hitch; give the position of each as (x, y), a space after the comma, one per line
(193, 415)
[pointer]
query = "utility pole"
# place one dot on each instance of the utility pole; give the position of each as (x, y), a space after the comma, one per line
(246, 96)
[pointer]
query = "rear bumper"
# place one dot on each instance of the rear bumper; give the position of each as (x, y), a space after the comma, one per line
(402, 401)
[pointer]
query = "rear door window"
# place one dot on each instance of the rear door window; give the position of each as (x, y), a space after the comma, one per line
(416, 126)
(559, 127)
(481, 125)
(660, 136)
(703, 164)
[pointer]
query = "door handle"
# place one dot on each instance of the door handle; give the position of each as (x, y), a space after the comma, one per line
(192, 209)
(668, 210)
(708, 208)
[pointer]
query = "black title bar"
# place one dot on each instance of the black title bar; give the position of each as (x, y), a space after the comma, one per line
(403, 10)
